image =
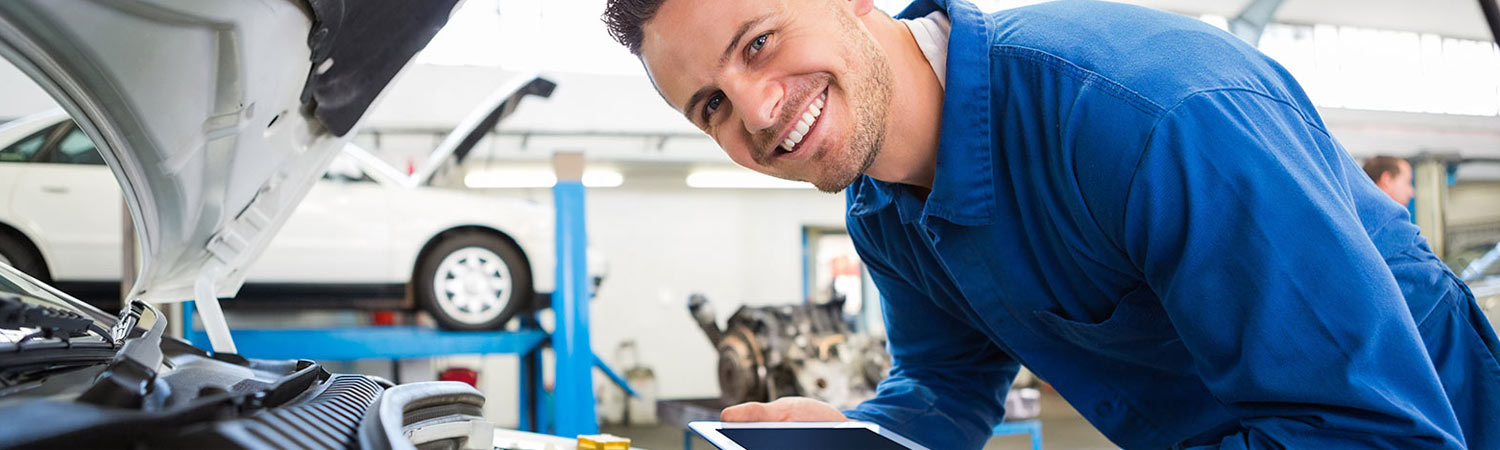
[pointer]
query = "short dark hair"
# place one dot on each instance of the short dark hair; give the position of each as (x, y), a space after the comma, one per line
(1378, 166)
(625, 18)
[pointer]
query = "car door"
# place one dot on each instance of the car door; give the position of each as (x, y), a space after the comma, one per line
(339, 234)
(71, 202)
(15, 157)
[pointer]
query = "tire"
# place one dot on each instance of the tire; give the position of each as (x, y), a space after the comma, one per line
(472, 281)
(19, 253)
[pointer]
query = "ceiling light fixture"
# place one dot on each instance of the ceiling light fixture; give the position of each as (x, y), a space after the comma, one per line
(740, 179)
(537, 178)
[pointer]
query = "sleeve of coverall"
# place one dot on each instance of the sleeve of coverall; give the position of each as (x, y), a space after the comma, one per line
(947, 383)
(1240, 218)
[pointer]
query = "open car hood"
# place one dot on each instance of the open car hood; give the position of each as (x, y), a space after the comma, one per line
(459, 142)
(216, 117)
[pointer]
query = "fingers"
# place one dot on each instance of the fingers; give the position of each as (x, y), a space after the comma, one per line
(803, 409)
(797, 409)
(746, 412)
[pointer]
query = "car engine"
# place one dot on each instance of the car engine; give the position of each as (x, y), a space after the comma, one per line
(769, 352)
(65, 382)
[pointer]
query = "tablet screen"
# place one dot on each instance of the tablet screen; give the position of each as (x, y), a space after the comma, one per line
(809, 439)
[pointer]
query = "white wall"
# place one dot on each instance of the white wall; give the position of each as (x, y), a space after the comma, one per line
(663, 242)
(19, 96)
(1369, 133)
(737, 247)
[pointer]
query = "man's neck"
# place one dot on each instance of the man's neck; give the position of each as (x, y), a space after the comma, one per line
(914, 117)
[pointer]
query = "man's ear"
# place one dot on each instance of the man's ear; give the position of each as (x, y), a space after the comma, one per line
(861, 7)
(1386, 180)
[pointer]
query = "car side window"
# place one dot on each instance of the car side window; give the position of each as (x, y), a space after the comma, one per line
(26, 148)
(76, 148)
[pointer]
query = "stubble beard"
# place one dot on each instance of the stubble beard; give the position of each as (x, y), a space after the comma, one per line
(870, 93)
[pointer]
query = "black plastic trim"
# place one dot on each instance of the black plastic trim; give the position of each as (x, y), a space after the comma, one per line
(416, 402)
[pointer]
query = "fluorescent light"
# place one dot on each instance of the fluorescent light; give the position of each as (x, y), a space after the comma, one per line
(602, 178)
(537, 178)
(740, 179)
(510, 178)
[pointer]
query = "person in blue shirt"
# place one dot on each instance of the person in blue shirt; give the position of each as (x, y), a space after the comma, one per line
(1142, 209)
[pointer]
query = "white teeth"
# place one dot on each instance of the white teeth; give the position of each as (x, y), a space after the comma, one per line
(808, 119)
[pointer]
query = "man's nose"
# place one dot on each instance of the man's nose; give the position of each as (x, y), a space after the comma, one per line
(758, 101)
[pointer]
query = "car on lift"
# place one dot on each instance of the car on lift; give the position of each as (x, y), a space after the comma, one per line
(365, 236)
(216, 119)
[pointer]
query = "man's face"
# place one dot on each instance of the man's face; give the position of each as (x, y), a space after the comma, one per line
(796, 89)
(1398, 185)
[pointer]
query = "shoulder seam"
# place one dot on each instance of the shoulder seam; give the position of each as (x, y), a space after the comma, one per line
(1150, 136)
(1201, 92)
(1089, 77)
(1136, 168)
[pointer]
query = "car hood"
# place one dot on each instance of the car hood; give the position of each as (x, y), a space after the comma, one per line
(216, 117)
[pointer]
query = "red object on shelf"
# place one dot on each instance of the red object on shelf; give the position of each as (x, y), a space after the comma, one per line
(383, 318)
(460, 374)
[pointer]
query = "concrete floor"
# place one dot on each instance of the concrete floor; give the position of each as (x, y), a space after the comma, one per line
(1062, 428)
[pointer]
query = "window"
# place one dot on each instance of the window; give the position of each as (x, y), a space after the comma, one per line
(1384, 70)
(24, 149)
(76, 148)
(832, 270)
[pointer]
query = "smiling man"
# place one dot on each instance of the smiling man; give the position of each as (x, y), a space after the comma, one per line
(1142, 209)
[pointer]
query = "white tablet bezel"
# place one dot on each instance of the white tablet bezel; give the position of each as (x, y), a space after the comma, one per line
(709, 430)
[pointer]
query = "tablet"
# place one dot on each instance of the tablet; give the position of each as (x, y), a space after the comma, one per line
(801, 436)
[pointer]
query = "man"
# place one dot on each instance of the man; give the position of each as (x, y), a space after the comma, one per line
(1392, 176)
(1145, 211)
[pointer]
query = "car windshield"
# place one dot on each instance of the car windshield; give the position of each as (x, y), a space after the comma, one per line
(1477, 262)
(13, 282)
(345, 169)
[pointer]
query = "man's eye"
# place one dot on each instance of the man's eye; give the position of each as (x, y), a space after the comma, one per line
(712, 105)
(759, 42)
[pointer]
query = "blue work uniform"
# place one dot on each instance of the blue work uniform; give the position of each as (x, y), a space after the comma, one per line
(1151, 215)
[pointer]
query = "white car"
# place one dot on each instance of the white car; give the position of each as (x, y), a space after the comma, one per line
(364, 235)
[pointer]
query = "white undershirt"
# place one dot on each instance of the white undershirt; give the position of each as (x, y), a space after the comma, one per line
(931, 33)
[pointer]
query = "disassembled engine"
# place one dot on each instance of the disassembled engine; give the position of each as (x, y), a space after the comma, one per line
(769, 352)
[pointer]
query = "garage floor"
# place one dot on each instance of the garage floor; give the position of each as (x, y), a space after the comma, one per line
(1062, 428)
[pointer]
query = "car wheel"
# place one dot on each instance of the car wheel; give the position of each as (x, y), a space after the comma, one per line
(20, 255)
(473, 281)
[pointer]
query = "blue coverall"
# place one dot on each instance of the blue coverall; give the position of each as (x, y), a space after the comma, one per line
(1151, 215)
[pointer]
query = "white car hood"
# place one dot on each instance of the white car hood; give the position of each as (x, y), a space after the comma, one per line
(210, 113)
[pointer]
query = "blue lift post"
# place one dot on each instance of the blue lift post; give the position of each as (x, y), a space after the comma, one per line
(531, 392)
(1032, 428)
(573, 391)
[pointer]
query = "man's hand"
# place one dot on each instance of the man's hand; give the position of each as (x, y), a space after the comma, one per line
(787, 409)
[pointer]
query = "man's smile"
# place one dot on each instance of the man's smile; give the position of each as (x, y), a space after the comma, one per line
(798, 132)
(804, 123)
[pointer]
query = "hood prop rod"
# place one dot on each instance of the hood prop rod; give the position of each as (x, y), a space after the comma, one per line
(208, 308)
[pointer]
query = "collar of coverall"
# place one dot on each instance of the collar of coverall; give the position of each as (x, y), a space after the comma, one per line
(963, 188)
